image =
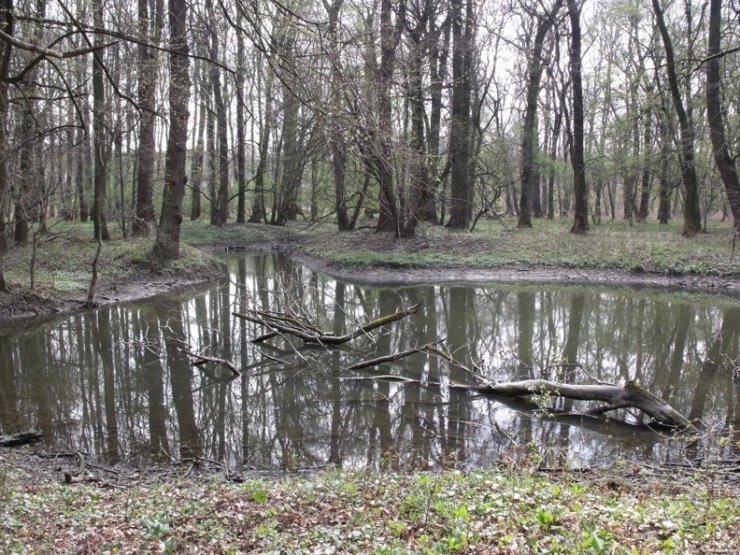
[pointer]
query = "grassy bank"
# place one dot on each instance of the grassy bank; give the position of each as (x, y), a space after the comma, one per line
(505, 511)
(63, 257)
(58, 266)
(499, 244)
(60, 261)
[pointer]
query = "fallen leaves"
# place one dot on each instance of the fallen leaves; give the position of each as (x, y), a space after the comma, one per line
(348, 512)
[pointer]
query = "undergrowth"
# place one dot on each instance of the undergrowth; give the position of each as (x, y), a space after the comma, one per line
(493, 511)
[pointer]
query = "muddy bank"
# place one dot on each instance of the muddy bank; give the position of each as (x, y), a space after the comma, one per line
(22, 307)
(378, 275)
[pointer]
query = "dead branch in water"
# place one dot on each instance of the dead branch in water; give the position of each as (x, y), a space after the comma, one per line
(203, 359)
(288, 324)
(393, 356)
(614, 397)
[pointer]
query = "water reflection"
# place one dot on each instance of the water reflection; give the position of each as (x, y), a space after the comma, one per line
(117, 383)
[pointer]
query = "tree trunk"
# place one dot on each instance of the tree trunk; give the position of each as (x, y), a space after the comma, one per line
(557, 125)
(389, 218)
(196, 169)
(293, 155)
(631, 169)
(100, 154)
(615, 397)
(580, 221)
(82, 151)
(337, 143)
(421, 196)
(438, 55)
(6, 25)
(221, 201)
(241, 174)
(725, 163)
(30, 192)
(220, 212)
(167, 244)
(148, 67)
(23, 198)
(258, 206)
(691, 215)
(460, 185)
(647, 177)
(529, 130)
(212, 161)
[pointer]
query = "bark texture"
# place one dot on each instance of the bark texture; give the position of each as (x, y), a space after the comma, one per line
(167, 244)
(722, 158)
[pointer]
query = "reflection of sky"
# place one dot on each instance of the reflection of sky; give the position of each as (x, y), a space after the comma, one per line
(294, 408)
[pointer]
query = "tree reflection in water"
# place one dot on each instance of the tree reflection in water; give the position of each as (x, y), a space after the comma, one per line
(116, 383)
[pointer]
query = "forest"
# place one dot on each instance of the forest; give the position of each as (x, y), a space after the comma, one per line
(139, 115)
(372, 276)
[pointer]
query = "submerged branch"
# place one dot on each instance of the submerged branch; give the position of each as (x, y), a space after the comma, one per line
(202, 359)
(630, 395)
(615, 397)
(280, 323)
(393, 356)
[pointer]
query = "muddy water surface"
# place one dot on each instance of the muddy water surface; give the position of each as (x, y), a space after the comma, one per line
(117, 383)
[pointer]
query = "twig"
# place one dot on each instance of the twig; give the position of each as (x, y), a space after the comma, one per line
(391, 357)
(202, 359)
(310, 334)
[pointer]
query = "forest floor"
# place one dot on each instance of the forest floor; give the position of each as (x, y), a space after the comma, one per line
(506, 509)
(612, 253)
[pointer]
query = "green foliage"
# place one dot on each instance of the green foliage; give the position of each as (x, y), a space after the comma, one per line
(347, 512)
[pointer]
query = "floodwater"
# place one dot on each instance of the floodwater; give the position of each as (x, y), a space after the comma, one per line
(117, 383)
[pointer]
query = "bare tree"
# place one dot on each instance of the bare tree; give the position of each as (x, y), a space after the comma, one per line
(580, 221)
(100, 147)
(6, 26)
(167, 244)
(691, 216)
(529, 132)
(150, 29)
(462, 44)
(219, 202)
(722, 158)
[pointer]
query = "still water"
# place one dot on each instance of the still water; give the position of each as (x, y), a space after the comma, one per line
(116, 384)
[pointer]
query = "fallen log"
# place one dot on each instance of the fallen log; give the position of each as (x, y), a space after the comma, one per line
(21, 438)
(631, 395)
(280, 324)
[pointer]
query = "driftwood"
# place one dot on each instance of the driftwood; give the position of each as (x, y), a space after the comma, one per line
(21, 438)
(615, 397)
(288, 324)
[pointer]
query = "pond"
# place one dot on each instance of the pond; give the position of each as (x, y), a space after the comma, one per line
(118, 384)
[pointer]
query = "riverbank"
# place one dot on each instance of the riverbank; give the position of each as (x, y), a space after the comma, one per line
(615, 253)
(501, 510)
(53, 276)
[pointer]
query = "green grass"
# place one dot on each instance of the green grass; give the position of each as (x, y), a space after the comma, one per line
(201, 234)
(65, 254)
(549, 244)
(503, 511)
(64, 257)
